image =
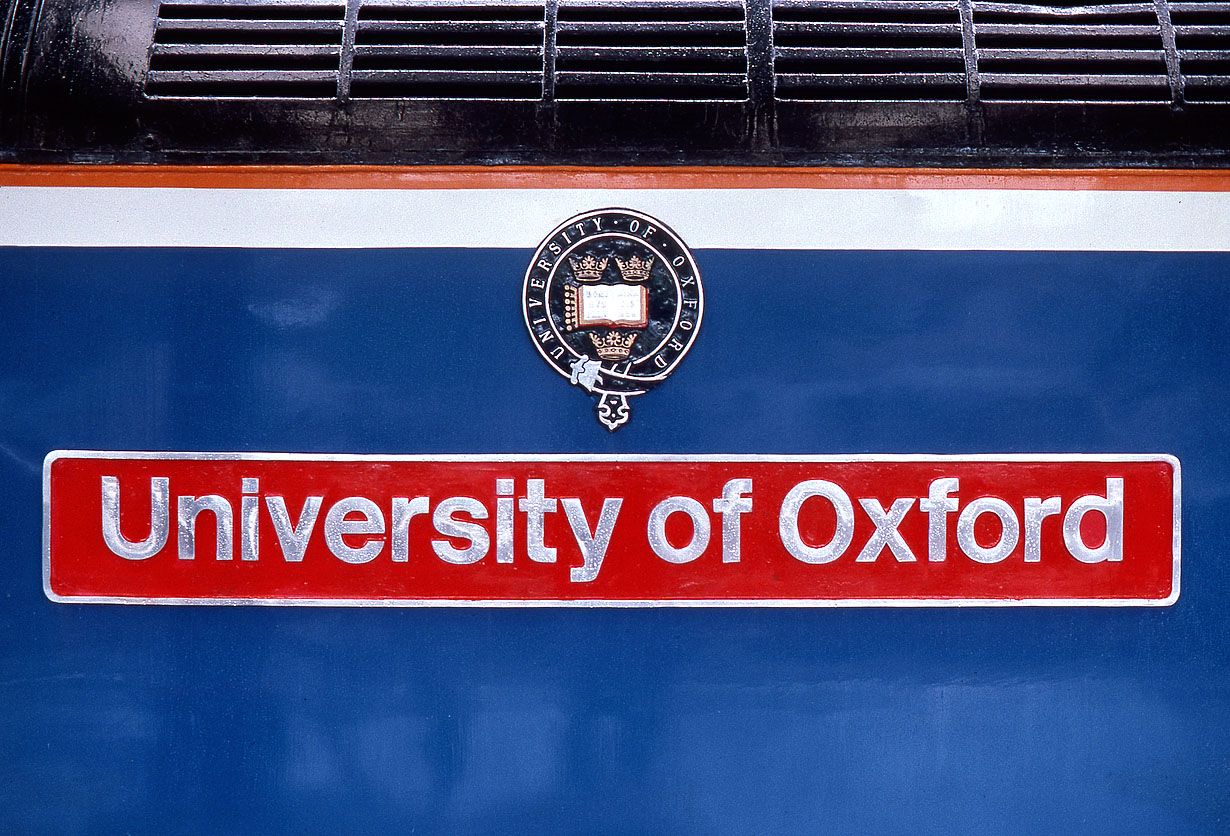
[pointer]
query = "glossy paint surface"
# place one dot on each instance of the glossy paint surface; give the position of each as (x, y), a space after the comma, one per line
(170, 720)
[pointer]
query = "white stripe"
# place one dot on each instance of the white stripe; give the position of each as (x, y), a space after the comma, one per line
(856, 219)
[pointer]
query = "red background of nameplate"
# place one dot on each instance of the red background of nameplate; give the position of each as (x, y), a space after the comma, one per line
(82, 565)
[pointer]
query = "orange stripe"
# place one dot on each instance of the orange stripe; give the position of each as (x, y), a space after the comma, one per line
(555, 177)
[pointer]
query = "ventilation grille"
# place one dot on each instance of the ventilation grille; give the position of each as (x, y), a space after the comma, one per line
(651, 50)
(1070, 53)
(253, 49)
(861, 51)
(1202, 33)
(456, 50)
(692, 50)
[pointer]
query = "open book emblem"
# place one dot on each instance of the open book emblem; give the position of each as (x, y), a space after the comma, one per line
(612, 300)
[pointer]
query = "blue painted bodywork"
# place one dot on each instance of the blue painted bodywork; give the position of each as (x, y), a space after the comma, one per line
(218, 720)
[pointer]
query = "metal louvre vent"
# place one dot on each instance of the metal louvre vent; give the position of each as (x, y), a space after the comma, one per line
(876, 51)
(246, 49)
(1070, 53)
(451, 50)
(651, 50)
(907, 50)
(1202, 34)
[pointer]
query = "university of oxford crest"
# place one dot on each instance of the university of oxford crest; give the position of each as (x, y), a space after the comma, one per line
(613, 301)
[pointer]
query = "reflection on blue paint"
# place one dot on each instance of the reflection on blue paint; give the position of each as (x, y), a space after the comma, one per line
(166, 720)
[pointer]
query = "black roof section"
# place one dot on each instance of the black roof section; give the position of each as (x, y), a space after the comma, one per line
(616, 82)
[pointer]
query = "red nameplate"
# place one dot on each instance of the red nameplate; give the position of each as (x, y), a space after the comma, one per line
(215, 528)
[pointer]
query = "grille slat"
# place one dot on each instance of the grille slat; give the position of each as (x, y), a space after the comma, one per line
(788, 11)
(231, 76)
(250, 10)
(1063, 11)
(831, 60)
(1208, 89)
(994, 31)
(861, 79)
(238, 28)
(1069, 54)
(172, 58)
(441, 77)
(579, 30)
(790, 32)
(807, 52)
(243, 83)
(1071, 78)
(686, 12)
(453, 11)
(632, 77)
(196, 49)
(645, 53)
(487, 31)
(380, 57)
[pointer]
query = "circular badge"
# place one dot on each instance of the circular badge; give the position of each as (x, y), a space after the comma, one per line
(613, 301)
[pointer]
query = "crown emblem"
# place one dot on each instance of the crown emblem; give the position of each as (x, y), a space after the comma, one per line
(635, 269)
(588, 268)
(614, 345)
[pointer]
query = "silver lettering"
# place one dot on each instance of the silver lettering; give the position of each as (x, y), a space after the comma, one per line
(404, 510)
(1111, 507)
(293, 540)
(372, 523)
(1007, 539)
(249, 521)
(1036, 510)
(159, 519)
(886, 534)
(505, 506)
(593, 545)
(447, 525)
(657, 529)
(937, 506)
(734, 502)
(788, 522)
(188, 508)
(536, 505)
